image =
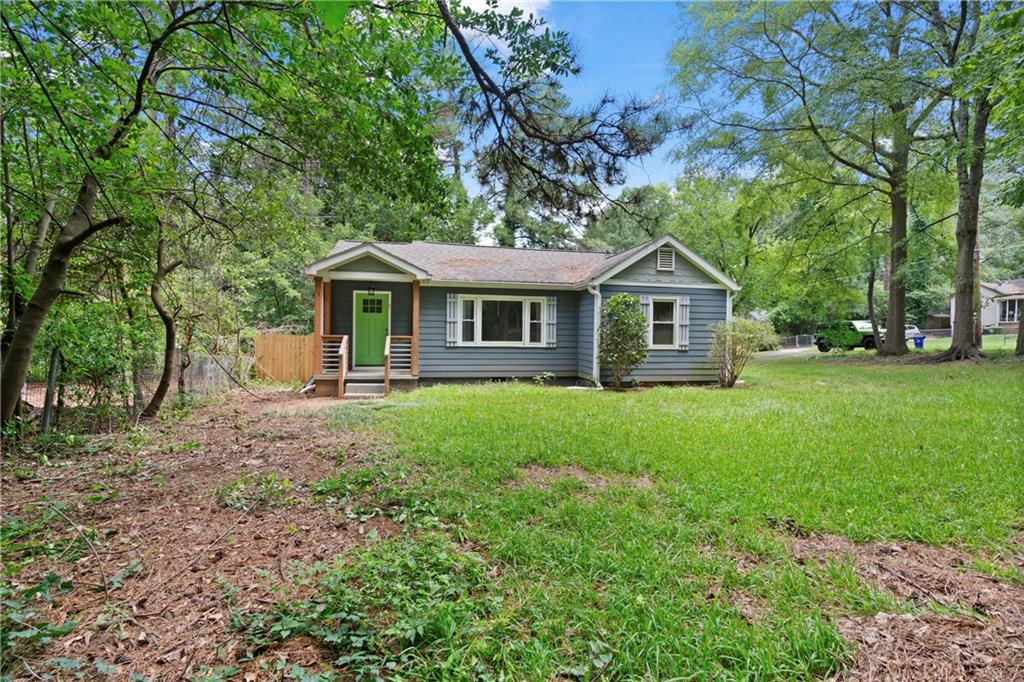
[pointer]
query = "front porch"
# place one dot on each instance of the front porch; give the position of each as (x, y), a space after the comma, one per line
(357, 355)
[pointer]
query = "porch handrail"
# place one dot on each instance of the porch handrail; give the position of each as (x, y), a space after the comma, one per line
(403, 354)
(342, 364)
(387, 365)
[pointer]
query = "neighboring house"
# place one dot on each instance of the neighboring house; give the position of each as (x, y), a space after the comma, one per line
(423, 311)
(1002, 305)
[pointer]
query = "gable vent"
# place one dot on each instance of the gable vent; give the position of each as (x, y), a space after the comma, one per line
(667, 259)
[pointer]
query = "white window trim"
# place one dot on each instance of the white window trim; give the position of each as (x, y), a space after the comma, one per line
(478, 300)
(675, 325)
(1004, 308)
(657, 259)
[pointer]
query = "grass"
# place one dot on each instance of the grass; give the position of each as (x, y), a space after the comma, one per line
(641, 567)
(988, 342)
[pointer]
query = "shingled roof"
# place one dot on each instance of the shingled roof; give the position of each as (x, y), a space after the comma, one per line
(469, 263)
(441, 262)
(1010, 287)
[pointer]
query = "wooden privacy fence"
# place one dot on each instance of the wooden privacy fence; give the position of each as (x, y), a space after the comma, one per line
(285, 357)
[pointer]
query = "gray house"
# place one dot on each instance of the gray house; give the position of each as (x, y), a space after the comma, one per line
(423, 311)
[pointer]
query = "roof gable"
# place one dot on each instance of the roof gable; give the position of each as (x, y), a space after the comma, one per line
(346, 252)
(645, 270)
(651, 247)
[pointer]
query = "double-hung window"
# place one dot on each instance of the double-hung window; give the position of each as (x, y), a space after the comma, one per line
(501, 321)
(467, 324)
(664, 323)
(1010, 310)
(535, 321)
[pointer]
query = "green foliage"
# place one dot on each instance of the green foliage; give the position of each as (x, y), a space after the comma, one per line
(369, 492)
(99, 348)
(395, 608)
(260, 491)
(544, 378)
(641, 214)
(23, 539)
(814, 105)
(733, 343)
(1002, 233)
(265, 133)
(24, 631)
(348, 485)
(995, 66)
(221, 673)
(622, 336)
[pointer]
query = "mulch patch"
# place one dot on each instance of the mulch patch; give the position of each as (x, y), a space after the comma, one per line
(174, 560)
(928, 646)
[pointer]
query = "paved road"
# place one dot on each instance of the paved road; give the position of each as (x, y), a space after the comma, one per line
(784, 352)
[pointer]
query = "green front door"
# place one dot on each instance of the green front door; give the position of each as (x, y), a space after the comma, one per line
(371, 328)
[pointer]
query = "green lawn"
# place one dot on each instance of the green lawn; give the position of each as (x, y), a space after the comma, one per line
(988, 342)
(637, 565)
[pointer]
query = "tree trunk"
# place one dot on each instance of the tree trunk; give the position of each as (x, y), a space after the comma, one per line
(970, 169)
(896, 313)
(1019, 352)
(12, 291)
(871, 302)
(185, 357)
(42, 229)
(162, 270)
(168, 366)
(79, 226)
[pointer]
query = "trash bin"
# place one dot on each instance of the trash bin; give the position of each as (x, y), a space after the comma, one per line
(918, 342)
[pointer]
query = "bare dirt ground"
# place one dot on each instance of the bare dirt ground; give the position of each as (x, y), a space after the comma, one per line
(162, 518)
(154, 589)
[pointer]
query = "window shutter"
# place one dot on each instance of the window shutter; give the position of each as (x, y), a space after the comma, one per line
(684, 323)
(552, 322)
(452, 333)
(645, 305)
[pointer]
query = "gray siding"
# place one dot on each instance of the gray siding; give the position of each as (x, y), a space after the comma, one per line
(368, 264)
(585, 362)
(341, 305)
(707, 306)
(438, 361)
(646, 270)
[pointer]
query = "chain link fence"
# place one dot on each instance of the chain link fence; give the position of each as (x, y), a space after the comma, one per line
(203, 375)
(796, 341)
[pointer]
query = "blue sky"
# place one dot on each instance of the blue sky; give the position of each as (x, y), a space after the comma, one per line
(623, 49)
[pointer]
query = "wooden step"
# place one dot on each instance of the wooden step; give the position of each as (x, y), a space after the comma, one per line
(361, 389)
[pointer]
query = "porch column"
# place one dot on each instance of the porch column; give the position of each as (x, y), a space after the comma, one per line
(318, 329)
(415, 363)
(327, 306)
